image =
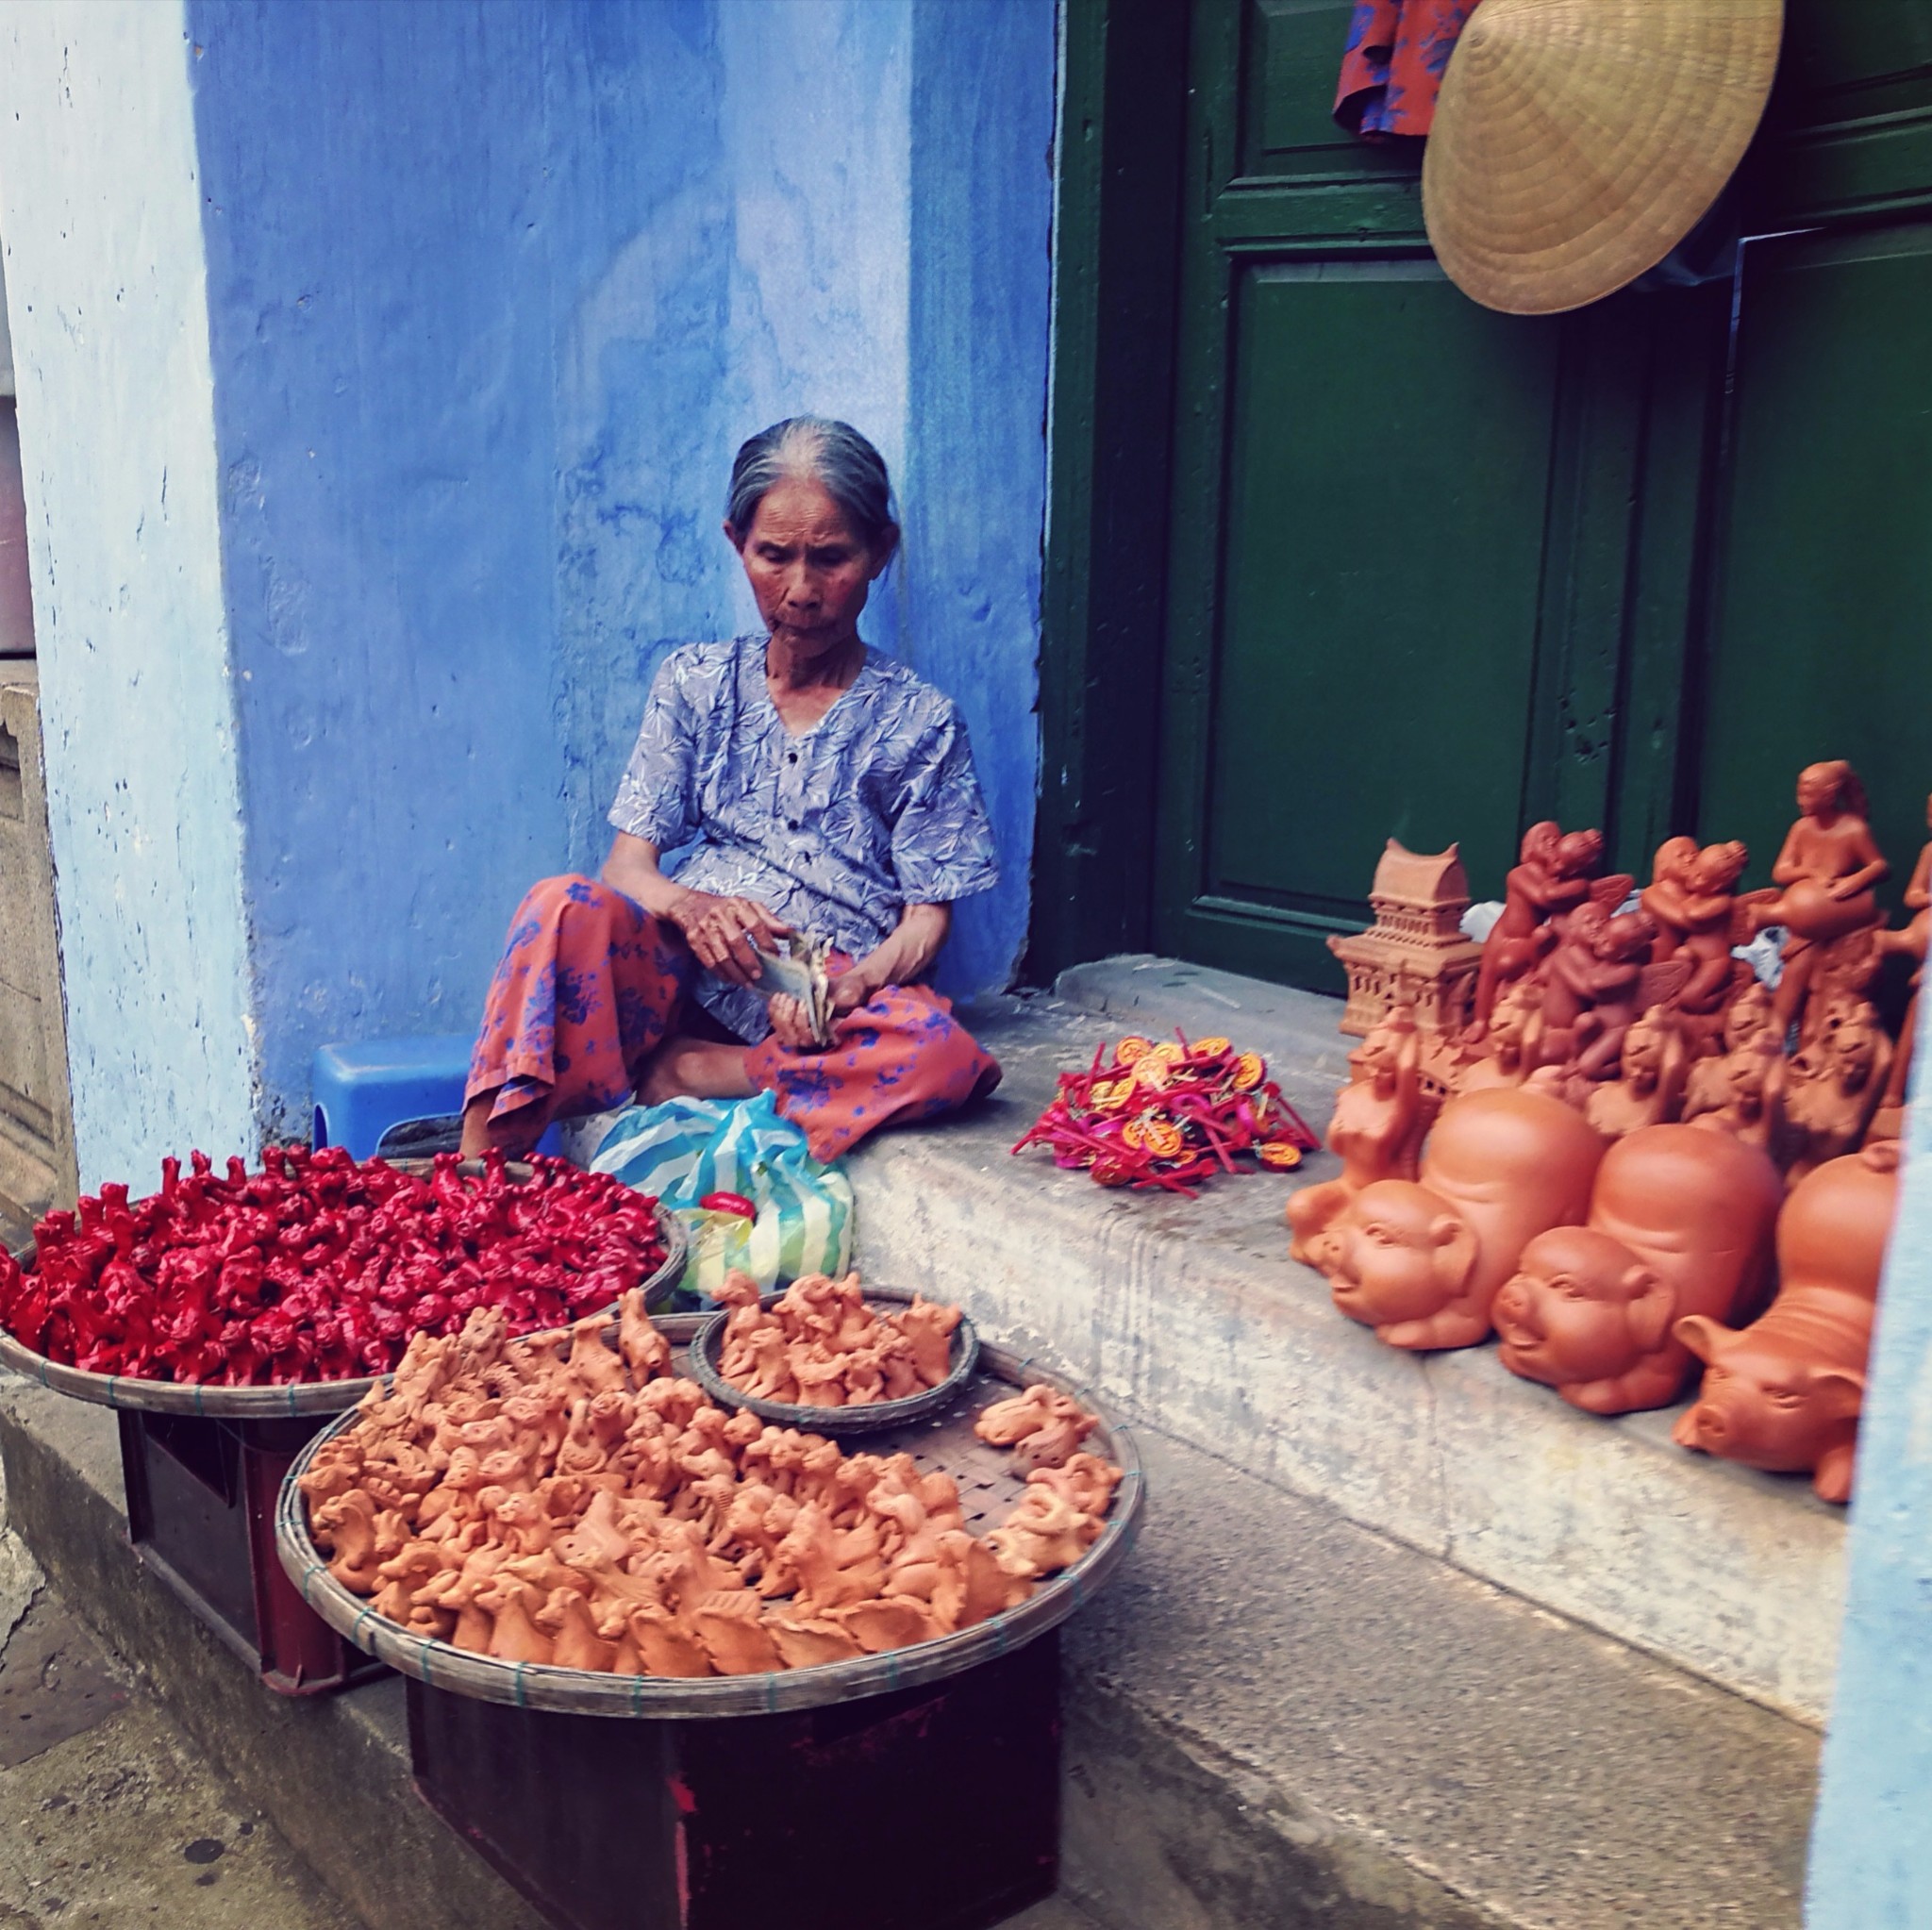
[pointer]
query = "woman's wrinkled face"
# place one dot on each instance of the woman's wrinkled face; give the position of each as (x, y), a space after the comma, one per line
(810, 573)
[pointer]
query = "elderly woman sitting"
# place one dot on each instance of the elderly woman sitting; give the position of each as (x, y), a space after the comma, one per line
(812, 786)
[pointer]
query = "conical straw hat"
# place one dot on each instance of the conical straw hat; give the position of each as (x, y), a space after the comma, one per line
(1578, 142)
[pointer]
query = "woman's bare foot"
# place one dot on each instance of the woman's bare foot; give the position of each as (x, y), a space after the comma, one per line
(685, 1068)
(513, 1136)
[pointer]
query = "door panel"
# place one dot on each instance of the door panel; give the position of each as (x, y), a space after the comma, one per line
(1400, 598)
(1287, 128)
(1822, 643)
(1389, 472)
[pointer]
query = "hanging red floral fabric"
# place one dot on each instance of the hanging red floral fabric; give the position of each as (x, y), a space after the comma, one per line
(1397, 53)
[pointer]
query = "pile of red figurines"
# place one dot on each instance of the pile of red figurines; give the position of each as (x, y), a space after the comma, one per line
(1168, 1113)
(317, 1267)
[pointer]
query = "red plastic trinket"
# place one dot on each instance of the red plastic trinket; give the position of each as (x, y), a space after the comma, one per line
(1165, 1114)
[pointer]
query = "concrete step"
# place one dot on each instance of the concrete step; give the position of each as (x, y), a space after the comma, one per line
(1188, 1316)
(1276, 1719)
(107, 1813)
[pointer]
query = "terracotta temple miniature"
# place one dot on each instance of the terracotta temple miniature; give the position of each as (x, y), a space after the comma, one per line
(1785, 1393)
(1414, 953)
(1420, 1262)
(1377, 1129)
(1680, 1223)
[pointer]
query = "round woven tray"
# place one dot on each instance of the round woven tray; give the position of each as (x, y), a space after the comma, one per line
(989, 1486)
(270, 1403)
(874, 1418)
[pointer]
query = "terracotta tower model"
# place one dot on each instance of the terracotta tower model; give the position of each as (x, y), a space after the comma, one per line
(1415, 953)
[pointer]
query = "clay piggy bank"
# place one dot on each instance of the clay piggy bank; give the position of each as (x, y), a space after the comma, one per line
(1420, 1262)
(1784, 1393)
(1680, 1223)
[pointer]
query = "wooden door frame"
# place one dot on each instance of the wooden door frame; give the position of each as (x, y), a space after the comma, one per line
(1104, 610)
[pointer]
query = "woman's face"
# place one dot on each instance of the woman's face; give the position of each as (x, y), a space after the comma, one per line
(810, 573)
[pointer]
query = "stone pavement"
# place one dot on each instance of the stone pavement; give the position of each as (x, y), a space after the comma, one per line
(107, 1816)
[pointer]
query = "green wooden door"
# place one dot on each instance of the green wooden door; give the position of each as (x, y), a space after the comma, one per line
(1435, 573)
(1400, 598)
(1821, 557)
(1821, 637)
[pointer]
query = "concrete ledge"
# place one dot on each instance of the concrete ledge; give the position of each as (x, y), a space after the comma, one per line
(1189, 1317)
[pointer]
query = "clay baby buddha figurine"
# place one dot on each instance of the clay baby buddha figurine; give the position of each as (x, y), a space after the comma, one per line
(1680, 1223)
(1420, 1262)
(1377, 1127)
(1784, 1394)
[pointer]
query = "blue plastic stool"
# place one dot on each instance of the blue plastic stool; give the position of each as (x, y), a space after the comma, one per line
(362, 1090)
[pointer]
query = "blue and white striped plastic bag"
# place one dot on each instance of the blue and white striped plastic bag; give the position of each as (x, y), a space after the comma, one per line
(687, 1149)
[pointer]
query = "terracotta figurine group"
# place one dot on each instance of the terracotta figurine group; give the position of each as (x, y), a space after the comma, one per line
(822, 1346)
(566, 1499)
(1618, 1138)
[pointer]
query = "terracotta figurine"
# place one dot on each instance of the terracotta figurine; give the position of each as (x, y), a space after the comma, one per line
(1552, 876)
(1888, 1122)
(1747, 1100)
(1912, 942)
(1421, 1262)
(1680, 1223)
(1376, 1130)
(1826, 868)
(1784, 1394)
(1700, 923)
(1708, 1083)
(1501, 1061)
(1832, 1087)
(1617, 994)
(1649, 1087)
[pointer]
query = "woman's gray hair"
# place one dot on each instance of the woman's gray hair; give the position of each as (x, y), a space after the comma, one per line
(831, 454)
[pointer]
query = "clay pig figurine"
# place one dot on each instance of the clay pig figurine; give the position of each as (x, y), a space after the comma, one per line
(1420, 1262)
(1785, 1393)
(1680, 1223)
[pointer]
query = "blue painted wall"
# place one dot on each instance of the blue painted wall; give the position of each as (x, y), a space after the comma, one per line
(494, 291)
(1870, 1851)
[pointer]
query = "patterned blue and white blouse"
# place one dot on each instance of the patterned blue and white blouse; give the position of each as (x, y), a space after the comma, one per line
(836, 830)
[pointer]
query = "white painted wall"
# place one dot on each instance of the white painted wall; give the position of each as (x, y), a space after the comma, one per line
(100, 220)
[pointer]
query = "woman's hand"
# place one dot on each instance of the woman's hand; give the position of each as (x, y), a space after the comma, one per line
(856, 987)
(904, 959)
(792, 1022)
(726, 934)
